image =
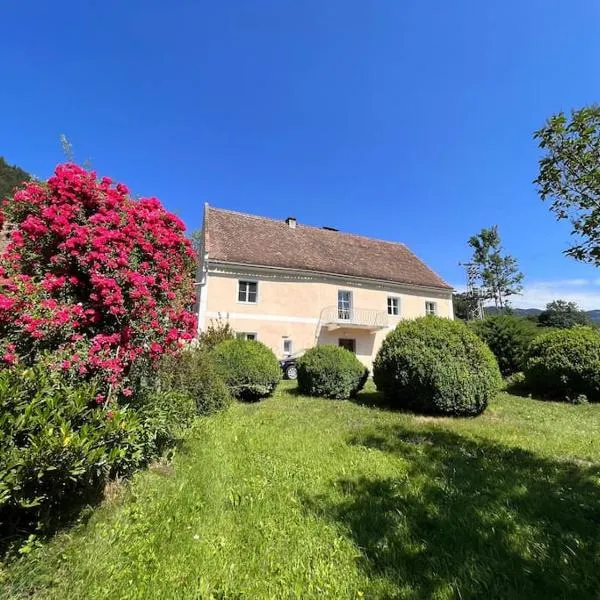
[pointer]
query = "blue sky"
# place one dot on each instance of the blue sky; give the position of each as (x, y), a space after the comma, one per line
(399, 119)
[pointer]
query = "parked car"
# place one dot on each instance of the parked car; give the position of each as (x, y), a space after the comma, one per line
(288, 365)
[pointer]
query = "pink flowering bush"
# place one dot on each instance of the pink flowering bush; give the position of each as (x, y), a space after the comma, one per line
(92, 276)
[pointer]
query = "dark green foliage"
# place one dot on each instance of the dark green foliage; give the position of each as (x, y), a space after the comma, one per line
(10, 178)
(436, 366)
(564, 364)
(569, 176)
(465, 305)
(248, 367)
(55, 443)
(193, 372)
(508, 338)
(217, 331)
(563, 314)
(331, 372)
(58, 447)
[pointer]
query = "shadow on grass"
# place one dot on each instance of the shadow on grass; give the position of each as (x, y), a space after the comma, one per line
(371, 398)
(17, 526)
(74, 507)
(470, 519)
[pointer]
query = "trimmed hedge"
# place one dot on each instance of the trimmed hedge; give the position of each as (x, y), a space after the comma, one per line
(436, 366)
(331, 372)
(508, 338)
(565, 364)
(193, 372)
(248, 367)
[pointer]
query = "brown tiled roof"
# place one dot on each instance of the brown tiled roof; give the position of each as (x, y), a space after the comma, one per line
(234, 237)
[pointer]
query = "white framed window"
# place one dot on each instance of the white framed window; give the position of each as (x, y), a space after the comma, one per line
(248, 291)
(393, 305)
(344, 305)
(430, 308)
(287, 347)
(246, 335)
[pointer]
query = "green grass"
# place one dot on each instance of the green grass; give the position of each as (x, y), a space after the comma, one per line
(308, 498)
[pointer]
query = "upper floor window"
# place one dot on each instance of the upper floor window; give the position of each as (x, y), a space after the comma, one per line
(393, 306)
(247, 291)
(344, 304)
(431, 308)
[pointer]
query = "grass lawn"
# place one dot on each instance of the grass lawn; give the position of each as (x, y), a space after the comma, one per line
(308, 498)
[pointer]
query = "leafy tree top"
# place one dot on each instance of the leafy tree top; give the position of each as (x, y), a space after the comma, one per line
(499, 273)
(563, 314)
(569, 176)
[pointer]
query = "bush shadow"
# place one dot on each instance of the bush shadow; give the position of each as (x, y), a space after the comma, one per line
(471, 519)
(371, 398)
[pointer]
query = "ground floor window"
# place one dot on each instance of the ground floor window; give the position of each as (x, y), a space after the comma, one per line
(347, 343)
(287, 347)
(245, 335)
(431, 308)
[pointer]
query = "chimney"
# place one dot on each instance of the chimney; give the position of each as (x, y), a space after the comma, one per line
(291, 222)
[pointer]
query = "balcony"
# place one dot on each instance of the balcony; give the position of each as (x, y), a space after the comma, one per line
(368, 319)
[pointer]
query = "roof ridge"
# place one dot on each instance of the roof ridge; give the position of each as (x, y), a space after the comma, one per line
(303, 226)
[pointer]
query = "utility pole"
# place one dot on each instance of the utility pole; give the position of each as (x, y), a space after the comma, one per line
(474, 298)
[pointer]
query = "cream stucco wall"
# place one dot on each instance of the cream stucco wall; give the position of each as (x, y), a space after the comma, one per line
(290, 306)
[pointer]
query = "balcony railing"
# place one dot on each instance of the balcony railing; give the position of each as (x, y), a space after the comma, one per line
(362, 318)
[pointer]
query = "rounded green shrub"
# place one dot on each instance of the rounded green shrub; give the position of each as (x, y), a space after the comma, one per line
(248, 367)
(565, 364)
(331, 372)
(508, 338)
(194, 373)
(436, 366)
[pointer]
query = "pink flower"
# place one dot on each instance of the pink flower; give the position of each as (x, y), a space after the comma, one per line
(10, 358)
(94, 274)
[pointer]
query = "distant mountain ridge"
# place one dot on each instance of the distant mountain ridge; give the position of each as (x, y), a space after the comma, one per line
(594, 315)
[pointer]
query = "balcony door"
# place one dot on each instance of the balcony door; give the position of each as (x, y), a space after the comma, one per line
(344, 305)
(348, 344)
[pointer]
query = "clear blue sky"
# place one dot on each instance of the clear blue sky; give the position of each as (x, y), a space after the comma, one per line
(399, 119)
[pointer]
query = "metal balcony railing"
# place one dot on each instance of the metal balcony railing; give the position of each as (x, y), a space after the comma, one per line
(367, 318)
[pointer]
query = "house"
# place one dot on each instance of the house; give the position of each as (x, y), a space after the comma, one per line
(292, 286)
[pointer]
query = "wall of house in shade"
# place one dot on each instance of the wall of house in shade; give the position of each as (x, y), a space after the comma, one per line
(289, 311)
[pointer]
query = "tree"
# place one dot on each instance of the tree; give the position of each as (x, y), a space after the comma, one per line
(499, 274)
(10, 178)
(464, 305)
(569, 176)
(563, 314)
(196, 240)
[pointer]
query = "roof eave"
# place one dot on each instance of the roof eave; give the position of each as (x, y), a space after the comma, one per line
(440, 288)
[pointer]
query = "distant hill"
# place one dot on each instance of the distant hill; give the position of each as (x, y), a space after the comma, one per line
(594, 315)
(10, 177)
(518, 312)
